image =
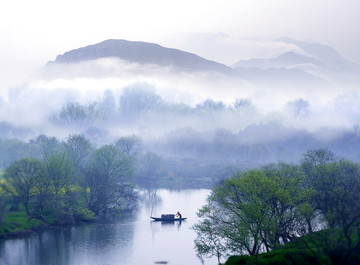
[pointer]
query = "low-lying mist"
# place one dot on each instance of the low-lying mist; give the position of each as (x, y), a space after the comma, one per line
(202, 117)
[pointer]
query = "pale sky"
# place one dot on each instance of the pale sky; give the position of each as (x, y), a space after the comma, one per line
(34, 32)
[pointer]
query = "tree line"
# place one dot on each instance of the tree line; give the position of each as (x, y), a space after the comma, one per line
(139, 101)
(69, 181)
(256, 211)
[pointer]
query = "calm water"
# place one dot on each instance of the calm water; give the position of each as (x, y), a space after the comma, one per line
(132, 240)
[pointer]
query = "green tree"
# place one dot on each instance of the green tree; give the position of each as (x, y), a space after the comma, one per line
(108, 170)
(79, 149)
(59, 170)
(52, 200)
(337, 191)
(255, 210)
(20, 181)
(315, 157)
(210, 241)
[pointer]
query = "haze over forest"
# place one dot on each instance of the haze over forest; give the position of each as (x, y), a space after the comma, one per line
(187, 109)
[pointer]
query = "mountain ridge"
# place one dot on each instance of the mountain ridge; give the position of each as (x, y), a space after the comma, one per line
(311, 63)
(142, 53)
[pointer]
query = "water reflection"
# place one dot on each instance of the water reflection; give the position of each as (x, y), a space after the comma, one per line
(130, 241)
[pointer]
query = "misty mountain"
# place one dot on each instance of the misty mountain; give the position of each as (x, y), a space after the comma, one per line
(319, 61)
(305, 64)
(277, 71)
(280, 76)
(323, 53)
(286, 60)
(142, 53)
(288, 67)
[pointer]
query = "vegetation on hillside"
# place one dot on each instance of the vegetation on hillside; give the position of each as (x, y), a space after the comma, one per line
(258, 211)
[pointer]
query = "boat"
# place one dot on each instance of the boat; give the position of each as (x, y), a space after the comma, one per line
(168, 218)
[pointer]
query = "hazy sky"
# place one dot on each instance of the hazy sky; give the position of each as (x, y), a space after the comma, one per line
(34, 32)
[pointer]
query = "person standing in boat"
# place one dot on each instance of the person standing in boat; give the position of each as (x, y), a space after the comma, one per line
(178, 214)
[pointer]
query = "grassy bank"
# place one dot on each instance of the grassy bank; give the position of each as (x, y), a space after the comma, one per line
(17, 223)
(324, 247)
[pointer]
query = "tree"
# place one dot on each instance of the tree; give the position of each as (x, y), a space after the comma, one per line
(243, 106)
(108, 170)
(342, 209)
(74, 113)
(321, 156)
(336, 185)
(59, 170)
(138, 99)
(21, 179)
(53, 188)
(149, 167)
(107, 106)
(298, 108)
(11, 150)
(97, 135)
(254, 210)
(2, 208)
(43, 146)
(78, 149)
(129, 145)
(209, 241)
(210, 105)
(224, 143)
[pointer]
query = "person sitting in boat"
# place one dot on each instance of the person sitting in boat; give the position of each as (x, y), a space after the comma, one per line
(178, 214)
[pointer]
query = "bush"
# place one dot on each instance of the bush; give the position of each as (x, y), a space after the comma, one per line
(287, 257)
(239, 260)
(83, 215)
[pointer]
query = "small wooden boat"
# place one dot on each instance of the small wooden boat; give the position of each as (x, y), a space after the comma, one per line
(168, 218)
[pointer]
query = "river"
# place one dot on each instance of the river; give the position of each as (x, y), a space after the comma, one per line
(130, 240)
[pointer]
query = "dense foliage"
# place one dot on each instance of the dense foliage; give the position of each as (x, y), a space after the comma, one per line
(257, 211)
(67, 182)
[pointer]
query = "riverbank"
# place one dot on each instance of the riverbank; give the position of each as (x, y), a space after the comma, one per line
(17, 224)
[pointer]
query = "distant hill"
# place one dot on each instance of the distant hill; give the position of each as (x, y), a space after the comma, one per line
(286, 60)
(319, 61)
(142, 53)
(323, 53)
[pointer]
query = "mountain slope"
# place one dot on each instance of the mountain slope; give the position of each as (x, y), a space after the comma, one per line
(142, 53)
